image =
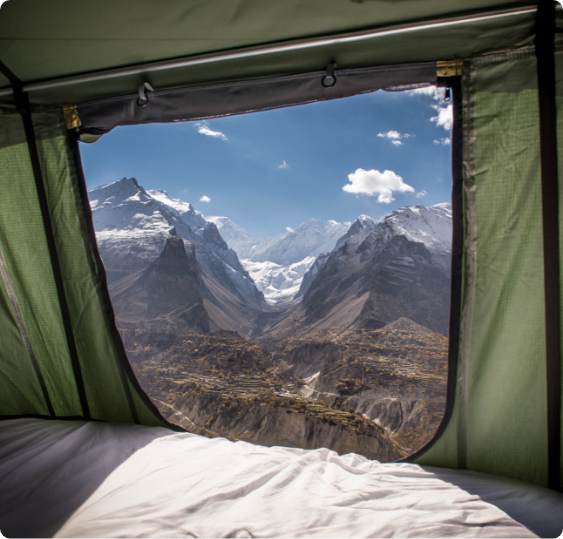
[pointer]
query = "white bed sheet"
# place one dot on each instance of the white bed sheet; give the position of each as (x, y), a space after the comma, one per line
(79, 479)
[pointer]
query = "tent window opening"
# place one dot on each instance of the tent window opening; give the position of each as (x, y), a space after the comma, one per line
(283, 277)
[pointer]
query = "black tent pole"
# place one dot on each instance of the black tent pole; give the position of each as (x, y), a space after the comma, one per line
(545, 53)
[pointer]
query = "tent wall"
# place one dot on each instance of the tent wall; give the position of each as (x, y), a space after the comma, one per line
(499, 423)
(37, 368)
(209, 101)
(46, 40)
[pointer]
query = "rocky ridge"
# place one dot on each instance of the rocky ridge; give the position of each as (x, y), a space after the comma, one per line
(397, 267)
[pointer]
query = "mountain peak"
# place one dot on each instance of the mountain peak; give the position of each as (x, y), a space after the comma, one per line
(173, 255)
(166, 297)
(430, 225)
(363, 222)
(211, 236)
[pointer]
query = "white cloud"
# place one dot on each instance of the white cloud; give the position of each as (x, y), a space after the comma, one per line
(205, 199)
(289, 229)
(390, 135)
(373, 182)
(422, 193)
(283, 165)
(394, 136)
(444, 118)
(204, 130)
(348, 223)
(445, 112)
(432, 91)
(443, 142)
(332, 222)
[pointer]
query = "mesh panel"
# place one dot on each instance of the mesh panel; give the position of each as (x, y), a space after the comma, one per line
(21, 391)
(27, 261)
(28, 267)
(499, 424)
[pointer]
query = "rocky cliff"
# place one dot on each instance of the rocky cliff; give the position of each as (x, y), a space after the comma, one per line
(378, 273)
(166, 296)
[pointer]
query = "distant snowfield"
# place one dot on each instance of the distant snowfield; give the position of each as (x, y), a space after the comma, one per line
(277, 265)
(279, 284)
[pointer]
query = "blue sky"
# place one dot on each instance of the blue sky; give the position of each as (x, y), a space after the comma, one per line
(270, 170)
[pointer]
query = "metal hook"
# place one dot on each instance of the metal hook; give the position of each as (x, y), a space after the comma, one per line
(330, 78)
(143, 99)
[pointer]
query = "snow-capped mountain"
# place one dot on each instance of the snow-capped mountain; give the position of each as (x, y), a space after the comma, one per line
(184, 210)
(278, 264)
(320, 276)
(360, 229)
(378, 272)
(133, 224)
(236, 237)
(308, 239)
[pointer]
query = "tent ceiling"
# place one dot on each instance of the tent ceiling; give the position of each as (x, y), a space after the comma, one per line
(45, 40)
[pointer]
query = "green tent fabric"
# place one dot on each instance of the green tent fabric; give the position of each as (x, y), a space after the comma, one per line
(35, 352)
(60, 38)
(497, 420)
(499, 424)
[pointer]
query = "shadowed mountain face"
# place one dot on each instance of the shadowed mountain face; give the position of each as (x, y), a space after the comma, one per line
(132, 225)
(165, 297)
(407, 284)
(397, 268)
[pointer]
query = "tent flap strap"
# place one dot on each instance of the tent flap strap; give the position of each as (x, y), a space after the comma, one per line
(72, 119)
(22, 103)
(545, 34)
(449, 68)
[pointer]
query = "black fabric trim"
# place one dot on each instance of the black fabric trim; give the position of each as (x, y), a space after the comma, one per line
(545, 41)
(218, 100)
(126, 371)
(457, 264)
(22, 103)
(9, 75)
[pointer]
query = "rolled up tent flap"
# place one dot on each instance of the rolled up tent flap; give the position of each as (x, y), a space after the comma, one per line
(210, 101)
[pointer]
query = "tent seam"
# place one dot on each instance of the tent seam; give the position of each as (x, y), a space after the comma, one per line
(470, 260)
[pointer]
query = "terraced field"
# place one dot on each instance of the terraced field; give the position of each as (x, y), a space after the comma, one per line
(387, 386)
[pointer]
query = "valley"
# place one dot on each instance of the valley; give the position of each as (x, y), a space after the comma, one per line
(325, 336)
(379, 393)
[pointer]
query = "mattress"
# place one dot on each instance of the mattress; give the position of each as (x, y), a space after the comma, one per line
(90, 479)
